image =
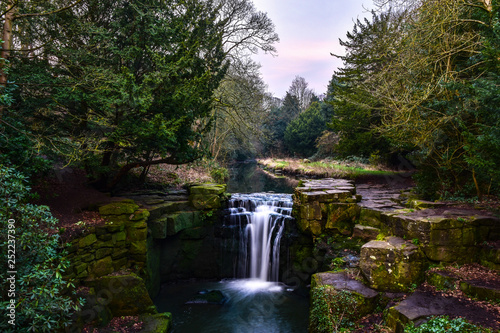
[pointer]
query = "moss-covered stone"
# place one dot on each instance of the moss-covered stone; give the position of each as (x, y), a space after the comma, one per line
(119, 208)
(140, 214)
(88, 257)
(205, 201)
(208, 189)
(181, 221)
(103, 252)
(87, 241)
(157, 323)
(105, 237)
(115, 226)
(442, 280)
(118, 253)
(194, 233)
(102, 267)
(138, 247)
(80, 268)
(126, 295)
(135, 235)
(119, 236)
(392, 264)
(480, 291)
(337, 299)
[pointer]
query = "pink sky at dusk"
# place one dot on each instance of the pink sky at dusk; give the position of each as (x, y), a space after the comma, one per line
(309, 31)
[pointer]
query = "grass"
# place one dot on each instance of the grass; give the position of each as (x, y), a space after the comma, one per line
(326, 168)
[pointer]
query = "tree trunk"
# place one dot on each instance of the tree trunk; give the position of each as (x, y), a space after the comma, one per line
(6, 46)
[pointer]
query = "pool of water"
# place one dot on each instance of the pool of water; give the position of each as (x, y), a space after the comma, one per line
(252, 306)
(248, 177)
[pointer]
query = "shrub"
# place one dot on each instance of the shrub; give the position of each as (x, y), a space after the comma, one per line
(445, 325)
(39, 262)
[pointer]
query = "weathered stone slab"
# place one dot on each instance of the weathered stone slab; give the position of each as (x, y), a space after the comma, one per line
(365, 232)
(392, 265)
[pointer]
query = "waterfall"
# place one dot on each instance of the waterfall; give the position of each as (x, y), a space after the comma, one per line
(259, 220)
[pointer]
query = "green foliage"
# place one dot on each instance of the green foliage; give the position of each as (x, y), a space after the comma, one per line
(445, 325)
(302, 132)
(219, 174)
(40, 305)
(133, 83)
(331, 310)
(337, 264)
(355, 110)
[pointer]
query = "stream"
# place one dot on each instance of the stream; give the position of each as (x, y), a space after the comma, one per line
(253, 300)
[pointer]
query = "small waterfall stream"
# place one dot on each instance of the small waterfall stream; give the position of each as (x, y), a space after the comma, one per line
(260, 220)
(251, 237)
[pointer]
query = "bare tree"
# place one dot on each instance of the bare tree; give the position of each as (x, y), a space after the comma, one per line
(299, 89)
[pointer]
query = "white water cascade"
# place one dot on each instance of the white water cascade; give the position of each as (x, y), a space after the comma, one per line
(260, 220)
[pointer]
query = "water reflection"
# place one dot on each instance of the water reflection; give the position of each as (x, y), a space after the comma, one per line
(248, 177)
(253, 306)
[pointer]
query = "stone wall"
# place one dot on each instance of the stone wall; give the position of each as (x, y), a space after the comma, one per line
(119, 243)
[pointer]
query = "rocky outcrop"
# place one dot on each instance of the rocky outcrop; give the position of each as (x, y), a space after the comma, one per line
(392, 264)
(326, 206)
(338, 299)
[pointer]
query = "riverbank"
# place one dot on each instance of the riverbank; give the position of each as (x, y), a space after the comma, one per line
(327, 168)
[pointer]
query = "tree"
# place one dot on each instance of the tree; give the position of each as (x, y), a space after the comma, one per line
(129, 85)
(435, 93)
(299, 88)
(356, 108)
(12, 11)
(239, 105)
(301, 134)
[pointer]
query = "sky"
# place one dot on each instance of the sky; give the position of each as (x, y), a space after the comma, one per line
(309, 31)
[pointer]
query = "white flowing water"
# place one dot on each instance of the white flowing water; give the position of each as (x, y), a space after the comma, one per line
(260, 219)
(256, 301)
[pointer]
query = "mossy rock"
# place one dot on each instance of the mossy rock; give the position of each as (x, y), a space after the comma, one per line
(101, 267)
(392, 265)
(181, 221)
(205, 201)
(125, 295)
(480, 290)
(442, 280)
(140, 214)
(157, 323)
(87, 241)
(135, 235)
(337, 299)
(138, 247)
(126, 207)
(214, 297)
(208, 189)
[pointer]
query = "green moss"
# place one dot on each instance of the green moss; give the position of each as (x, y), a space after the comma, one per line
(118, 208)
(87, 241)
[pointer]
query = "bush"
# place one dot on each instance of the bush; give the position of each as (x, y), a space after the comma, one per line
(445, 325)
(219, 174)
(332, 310)
(30, 230)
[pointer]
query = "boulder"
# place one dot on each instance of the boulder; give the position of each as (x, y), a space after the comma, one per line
(214, 297)
(392, 264)
(124, 295)
(157, 323)
(337, 299)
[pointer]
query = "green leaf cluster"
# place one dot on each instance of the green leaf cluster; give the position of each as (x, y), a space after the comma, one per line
(40, 303)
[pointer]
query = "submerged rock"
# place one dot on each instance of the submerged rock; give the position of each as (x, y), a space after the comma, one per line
(215, 297)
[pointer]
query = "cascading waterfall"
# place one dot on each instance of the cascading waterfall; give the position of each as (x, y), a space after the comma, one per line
(259, 219)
